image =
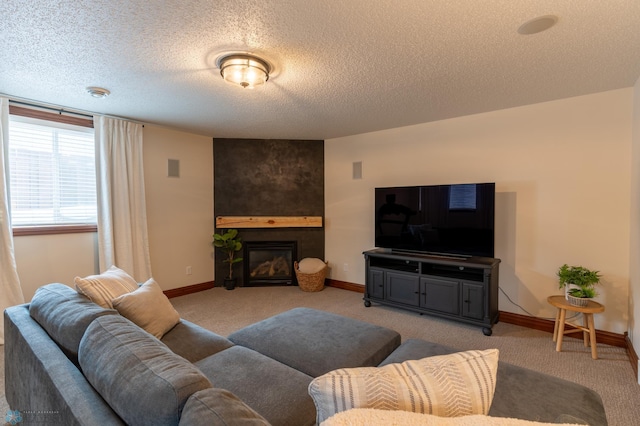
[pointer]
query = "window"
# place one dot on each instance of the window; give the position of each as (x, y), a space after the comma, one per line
(52, 174)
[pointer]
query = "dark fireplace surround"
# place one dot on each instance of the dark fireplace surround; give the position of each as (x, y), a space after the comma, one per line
(254, 177)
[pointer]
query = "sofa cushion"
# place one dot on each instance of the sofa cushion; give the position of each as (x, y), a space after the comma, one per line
(521, 392)
(148, 308)
(316, 342)
(193, 342)
(139, 377)
(416, 349)
(277, 392)
(64, 315)
(218, 407)
(102, 288)
(448, 385)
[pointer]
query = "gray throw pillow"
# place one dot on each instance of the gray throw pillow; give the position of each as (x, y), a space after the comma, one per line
(139, 377)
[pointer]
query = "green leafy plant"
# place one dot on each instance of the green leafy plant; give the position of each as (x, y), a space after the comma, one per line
(579, 280)
(229, 243)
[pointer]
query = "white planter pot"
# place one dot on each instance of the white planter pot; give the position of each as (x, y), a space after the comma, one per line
(567, 288)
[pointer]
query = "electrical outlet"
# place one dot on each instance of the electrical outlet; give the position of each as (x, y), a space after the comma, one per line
(345, 267)
(189, 271)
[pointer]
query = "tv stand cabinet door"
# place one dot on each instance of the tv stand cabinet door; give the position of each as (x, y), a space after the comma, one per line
(473, 301)
(375, 283)
(402, 288)
(440, 295)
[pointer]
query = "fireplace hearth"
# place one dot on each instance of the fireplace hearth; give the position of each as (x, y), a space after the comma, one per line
(269, 263)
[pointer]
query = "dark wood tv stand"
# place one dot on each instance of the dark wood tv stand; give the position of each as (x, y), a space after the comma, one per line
(459, 288)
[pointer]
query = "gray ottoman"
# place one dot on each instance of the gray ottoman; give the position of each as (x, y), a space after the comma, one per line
(316, 342)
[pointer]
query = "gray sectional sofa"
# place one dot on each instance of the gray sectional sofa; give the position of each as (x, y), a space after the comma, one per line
(69, 361)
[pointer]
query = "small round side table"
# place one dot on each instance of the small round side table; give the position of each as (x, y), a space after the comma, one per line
(588, 329)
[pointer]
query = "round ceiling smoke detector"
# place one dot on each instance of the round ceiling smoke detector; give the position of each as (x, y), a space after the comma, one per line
(98, 92)
(537, 25)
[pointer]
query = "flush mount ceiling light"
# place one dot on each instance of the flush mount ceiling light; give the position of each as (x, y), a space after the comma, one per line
(98, 92)
(537, 25)
(247, 71)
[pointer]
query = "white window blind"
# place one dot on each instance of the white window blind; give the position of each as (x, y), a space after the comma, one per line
(52, 173)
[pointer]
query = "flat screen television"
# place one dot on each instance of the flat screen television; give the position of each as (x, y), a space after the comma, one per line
(454, 220)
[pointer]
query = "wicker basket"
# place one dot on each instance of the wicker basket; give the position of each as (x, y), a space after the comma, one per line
(310, 282)
(577, 301)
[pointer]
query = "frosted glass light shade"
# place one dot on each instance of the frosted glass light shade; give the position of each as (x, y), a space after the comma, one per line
(244, 70)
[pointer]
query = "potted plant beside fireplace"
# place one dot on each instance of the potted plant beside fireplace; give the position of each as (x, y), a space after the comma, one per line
(229, 243)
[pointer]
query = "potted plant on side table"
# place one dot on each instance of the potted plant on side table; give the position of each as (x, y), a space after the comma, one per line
(229, 243)
(579, 283)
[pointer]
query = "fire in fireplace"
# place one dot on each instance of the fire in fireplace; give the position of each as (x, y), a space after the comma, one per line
(269, 263)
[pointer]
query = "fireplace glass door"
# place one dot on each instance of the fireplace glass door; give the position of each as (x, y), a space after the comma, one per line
(269, 263)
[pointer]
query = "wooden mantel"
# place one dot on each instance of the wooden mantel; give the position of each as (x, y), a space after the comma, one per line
(269, 222)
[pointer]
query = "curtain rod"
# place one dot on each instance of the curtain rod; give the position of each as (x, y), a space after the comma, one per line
(58, 110)
(61, 110)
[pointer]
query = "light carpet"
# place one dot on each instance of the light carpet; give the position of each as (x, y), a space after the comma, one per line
(224, 312)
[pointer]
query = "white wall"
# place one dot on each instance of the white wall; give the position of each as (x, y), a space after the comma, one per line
(562, 173)
(46, 259)
(179, 210)
(180, 221)
(634, 252)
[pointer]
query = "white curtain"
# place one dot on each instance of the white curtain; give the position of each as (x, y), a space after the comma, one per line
(122, 216)
(10, 291)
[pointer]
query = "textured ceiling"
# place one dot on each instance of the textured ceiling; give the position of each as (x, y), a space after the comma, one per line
(342, 67)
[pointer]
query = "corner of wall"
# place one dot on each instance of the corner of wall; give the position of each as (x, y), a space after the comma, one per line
(634, 250)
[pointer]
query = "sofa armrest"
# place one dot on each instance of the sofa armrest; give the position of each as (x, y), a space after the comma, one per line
(531, 395)
(34, 361)
(520, 392)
